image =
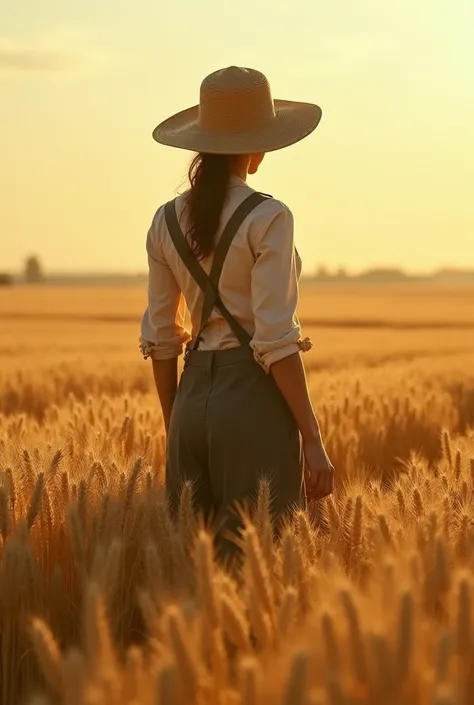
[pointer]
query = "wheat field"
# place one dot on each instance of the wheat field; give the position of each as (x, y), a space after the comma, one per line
(366, 600)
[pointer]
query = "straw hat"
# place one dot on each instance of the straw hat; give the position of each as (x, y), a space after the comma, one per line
(237, 115)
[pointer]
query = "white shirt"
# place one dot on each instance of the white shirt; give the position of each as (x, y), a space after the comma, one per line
(258, 284)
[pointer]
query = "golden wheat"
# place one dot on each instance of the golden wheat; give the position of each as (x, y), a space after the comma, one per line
(365, 599)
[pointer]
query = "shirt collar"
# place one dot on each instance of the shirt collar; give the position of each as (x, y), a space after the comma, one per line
(236, 181)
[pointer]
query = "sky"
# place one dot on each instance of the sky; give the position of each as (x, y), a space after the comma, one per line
(386, 180)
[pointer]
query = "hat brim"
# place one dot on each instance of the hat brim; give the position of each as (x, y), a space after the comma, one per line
(293, 122)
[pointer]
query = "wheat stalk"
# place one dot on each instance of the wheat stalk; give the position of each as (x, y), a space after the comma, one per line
(356, 642)
(235, 623)
(405, 645)
(186, 663)
(4, 514)
(36, 501)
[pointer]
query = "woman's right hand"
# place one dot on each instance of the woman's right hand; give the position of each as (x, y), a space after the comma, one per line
(319, 471)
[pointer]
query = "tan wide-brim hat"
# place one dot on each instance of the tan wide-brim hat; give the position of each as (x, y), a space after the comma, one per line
(237, 115)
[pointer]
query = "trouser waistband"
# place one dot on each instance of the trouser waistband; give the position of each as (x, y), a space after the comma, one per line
(218, 358)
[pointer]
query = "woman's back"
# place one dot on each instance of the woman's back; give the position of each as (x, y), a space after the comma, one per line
(258, 284)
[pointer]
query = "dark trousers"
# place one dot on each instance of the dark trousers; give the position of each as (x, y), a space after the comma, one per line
(230, 427)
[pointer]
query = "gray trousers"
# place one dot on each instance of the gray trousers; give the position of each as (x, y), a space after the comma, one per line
(230, 427)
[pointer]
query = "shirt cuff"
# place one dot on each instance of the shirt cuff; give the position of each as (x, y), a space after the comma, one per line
(266, 360)
(160, 351)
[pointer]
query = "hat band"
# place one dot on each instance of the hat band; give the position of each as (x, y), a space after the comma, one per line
(241, 112)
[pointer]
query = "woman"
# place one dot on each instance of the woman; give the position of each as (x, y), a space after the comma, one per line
(242, 410)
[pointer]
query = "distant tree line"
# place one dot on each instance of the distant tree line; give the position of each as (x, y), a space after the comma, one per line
(32, 273)
(393, 276)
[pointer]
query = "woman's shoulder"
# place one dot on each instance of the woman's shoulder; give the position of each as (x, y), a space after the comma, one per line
(158, 223)
(269, 209)
(156, 231)
(271, 206)
(272, 223)
(240, 190)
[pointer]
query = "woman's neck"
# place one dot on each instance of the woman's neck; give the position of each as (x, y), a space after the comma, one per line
(240, 168)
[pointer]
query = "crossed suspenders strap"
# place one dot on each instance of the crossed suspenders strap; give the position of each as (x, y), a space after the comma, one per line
(209, 284)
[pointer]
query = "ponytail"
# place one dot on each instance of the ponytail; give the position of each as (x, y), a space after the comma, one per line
(209, 176)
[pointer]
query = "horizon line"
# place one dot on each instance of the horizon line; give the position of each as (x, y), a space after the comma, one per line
(318, 272)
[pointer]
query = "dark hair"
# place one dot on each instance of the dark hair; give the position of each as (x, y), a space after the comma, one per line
(209, 176)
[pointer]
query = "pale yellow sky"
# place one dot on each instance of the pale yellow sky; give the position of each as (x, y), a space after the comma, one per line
(387, 179)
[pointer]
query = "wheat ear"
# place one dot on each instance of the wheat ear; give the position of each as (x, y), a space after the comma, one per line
(249, 681)
(296, 688)
(356, 642)
(48, 654)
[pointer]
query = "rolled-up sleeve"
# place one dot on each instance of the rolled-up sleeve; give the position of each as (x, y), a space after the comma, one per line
(163, 334)
(275, 291)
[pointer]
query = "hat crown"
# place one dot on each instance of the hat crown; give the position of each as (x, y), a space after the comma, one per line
(235, 99)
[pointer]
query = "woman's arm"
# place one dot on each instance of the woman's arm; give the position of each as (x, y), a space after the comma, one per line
(277, 335)
(165, 373)
(163, 334)
(290, 377)
(289, 374)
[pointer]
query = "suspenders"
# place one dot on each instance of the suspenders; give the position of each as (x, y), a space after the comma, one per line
(209, 284)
